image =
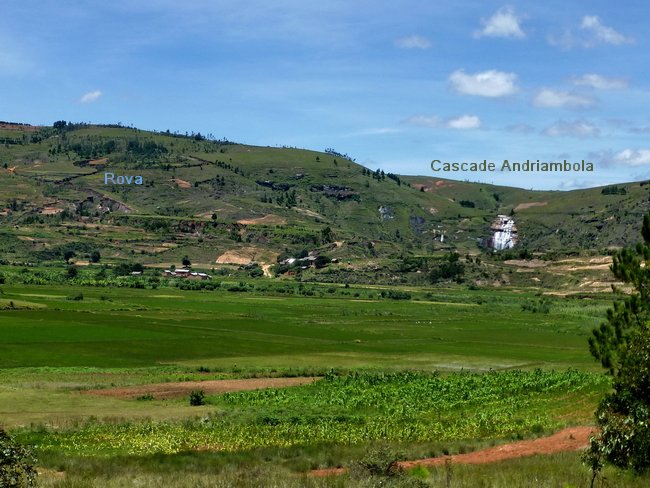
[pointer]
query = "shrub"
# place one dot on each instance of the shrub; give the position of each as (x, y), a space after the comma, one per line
(537, 306)
(197, 398)
(16, 464)
(380, 461)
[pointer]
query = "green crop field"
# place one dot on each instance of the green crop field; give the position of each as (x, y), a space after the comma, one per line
(446, 329)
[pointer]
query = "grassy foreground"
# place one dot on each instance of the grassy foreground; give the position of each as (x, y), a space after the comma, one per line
(560, 470)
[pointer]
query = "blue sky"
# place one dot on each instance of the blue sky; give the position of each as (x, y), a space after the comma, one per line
(394, 85)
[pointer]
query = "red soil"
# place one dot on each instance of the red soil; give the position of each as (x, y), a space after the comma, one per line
(179, 389)
(571, 439)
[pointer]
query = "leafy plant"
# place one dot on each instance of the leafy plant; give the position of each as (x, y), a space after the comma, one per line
(16, 464)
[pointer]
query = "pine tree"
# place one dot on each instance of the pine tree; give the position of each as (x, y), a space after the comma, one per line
(622, 344)
(610, 341)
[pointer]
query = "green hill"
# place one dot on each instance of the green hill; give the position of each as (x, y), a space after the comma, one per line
(207, 199)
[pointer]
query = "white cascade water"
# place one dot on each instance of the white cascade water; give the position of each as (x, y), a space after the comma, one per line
(503, 233)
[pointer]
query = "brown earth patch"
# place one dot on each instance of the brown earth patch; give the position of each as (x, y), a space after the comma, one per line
(181, 183)
(524, 206)
(522, 263)
(567, 269)
(269, 219)
(19, 127)
(308, 212)
(51, 211)
(161, 391)
(246, 255)
(570, 439)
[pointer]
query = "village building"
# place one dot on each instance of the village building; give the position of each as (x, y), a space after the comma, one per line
(186, 274)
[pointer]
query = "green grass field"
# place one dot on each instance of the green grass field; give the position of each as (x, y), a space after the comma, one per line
(504, 373)
(445, 329)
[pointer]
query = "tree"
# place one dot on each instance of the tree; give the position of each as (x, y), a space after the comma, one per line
(186, 261)
(322, 261)
(326, 234)
(95, 256)
(622, 344)
(624, 320)
(68, 255)
(72, 272)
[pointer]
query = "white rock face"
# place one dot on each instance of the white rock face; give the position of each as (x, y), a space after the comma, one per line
(504, 233)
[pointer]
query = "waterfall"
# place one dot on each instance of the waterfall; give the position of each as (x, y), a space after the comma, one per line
(504, 233)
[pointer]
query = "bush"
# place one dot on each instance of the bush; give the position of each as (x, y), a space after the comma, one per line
(380, 461)
(537, 306)
(197, 398)
(449, 271)
(623, 415)
(396, 295)
(16, 464)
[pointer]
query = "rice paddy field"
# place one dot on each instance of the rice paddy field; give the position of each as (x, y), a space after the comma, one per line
(289, 378)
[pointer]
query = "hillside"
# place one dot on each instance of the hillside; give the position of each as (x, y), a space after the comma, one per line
(218, 201)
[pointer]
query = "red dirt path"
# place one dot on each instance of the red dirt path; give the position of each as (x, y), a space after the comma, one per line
(178, 389)
(571, 439)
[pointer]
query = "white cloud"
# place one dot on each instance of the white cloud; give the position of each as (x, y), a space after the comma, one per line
(376, 131)
(564, 99)
(520, 128)
(90, 97)
(600, 82)
(491, 84)
(590, 33)
(503, 23)
(577, 128)
(575, 184)
(413, 42)
(423, 121)
(464, 122)
(633, 157)
(592, 24)
(639, 130)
